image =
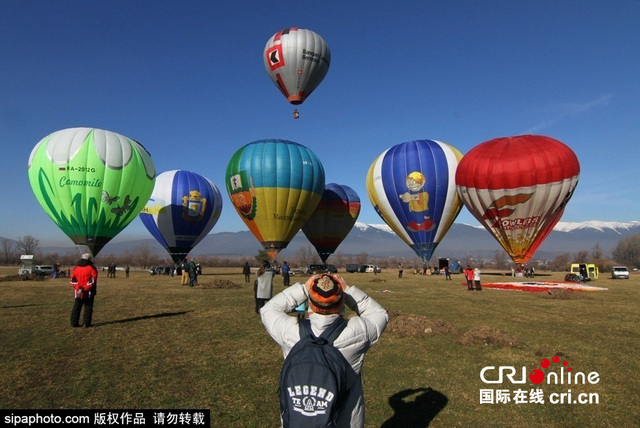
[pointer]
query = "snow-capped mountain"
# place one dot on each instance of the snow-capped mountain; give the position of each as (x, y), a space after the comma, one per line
(379, 240)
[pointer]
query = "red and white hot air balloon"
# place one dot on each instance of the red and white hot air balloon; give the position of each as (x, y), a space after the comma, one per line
(517, 188)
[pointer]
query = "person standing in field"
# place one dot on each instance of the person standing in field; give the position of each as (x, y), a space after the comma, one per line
(285, 274)
(246, 271)
(193, 273)
(264, 285)
(184, 267)
(400, 270)
(476, 279)
(327, 295)
(84, 279)
(468, 274)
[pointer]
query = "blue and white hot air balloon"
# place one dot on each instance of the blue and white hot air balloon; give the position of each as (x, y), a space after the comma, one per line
(181, 211)
(412, 187)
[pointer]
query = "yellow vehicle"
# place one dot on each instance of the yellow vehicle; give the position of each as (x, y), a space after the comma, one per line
(588, 270)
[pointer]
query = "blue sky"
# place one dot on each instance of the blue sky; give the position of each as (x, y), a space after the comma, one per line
(187, 80)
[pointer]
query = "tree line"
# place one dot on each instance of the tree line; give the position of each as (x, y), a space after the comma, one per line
(626, 252)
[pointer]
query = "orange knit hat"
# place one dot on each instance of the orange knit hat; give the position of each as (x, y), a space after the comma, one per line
(326, 293)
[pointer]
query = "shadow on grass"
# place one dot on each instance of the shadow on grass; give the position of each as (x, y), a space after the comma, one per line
(418, 412)
(19, 306)
(145, 317)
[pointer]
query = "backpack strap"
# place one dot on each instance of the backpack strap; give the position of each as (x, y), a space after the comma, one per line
(334, 329)
(330, 334)
(305, 328)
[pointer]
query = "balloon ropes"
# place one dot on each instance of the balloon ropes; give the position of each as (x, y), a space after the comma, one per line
(517, 188)
(91, 182)
(182, 210)
(412, 187)
(332, 219)
(296, 60)
(274, 186)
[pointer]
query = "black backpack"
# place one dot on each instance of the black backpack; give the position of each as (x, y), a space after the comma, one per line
(313, 382)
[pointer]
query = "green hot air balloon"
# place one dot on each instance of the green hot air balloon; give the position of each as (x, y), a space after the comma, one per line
(91, 182)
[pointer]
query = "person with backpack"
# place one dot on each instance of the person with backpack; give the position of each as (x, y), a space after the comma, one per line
(328, 393)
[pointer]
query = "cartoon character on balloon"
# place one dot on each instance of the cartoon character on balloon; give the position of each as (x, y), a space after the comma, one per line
(418, 201)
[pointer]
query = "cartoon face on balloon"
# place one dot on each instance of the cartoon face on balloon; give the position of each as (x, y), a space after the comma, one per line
(415, 181)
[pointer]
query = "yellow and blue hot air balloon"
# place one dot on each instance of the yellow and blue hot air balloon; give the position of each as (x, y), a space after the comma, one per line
(274, 186)
(332, 219)
(182, 210)
(412, 187)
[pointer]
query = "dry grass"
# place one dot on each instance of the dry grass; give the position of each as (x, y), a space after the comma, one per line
(158, 344)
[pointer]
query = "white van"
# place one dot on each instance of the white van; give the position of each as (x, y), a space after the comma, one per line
(372, 269)
(619, 272)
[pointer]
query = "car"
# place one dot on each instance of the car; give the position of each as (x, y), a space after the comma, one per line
(156, 270)
(43, 270)
(619, 272)
(320, 268)
(372, 269)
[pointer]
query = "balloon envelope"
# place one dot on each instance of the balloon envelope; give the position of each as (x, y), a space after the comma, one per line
(412, 187)
(296, 60)
(91, 182)
(274, 186)
(517, 188)
(332, 219)
(182, 210)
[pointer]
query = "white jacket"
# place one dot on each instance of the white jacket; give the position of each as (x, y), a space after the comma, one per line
(358, 336)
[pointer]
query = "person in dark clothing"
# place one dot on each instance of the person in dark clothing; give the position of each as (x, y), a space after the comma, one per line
(285, 274)
(246, 271)
(193, 273)
(84, 279)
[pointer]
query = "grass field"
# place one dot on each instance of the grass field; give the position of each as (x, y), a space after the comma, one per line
(156, 344)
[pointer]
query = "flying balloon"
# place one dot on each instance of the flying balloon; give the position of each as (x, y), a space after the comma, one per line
(91, 182)
(274, 186)
(296, 60)
(412, 187)
(517, 188)
(182, 210)
(332, 219)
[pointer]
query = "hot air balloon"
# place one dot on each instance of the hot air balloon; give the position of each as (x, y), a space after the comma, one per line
(91, 182)
(517, 188)
(332, 219)
(412, 187)
(274, 186)
(182, 210)
(296, 60)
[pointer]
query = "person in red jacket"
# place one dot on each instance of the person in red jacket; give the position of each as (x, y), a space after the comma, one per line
(84, 279)
(468, 274)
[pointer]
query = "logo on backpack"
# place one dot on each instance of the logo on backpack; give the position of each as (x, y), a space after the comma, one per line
(310, 400)
(313, 382)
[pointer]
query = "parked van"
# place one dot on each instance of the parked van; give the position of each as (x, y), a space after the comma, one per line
(619, 272)
(321, 268)
(352, 268)
(44, 270)
(372, 269)
(590, 269)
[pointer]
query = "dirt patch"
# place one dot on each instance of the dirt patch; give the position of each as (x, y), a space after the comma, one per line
(416, 325)
(378, 280)
(487, 335)
(565, 295)
(219, 283)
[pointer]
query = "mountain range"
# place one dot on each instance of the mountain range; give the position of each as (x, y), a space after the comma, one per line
(378, 240)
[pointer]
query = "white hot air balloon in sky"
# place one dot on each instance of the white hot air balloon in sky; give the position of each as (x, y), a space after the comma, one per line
(296, 60)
